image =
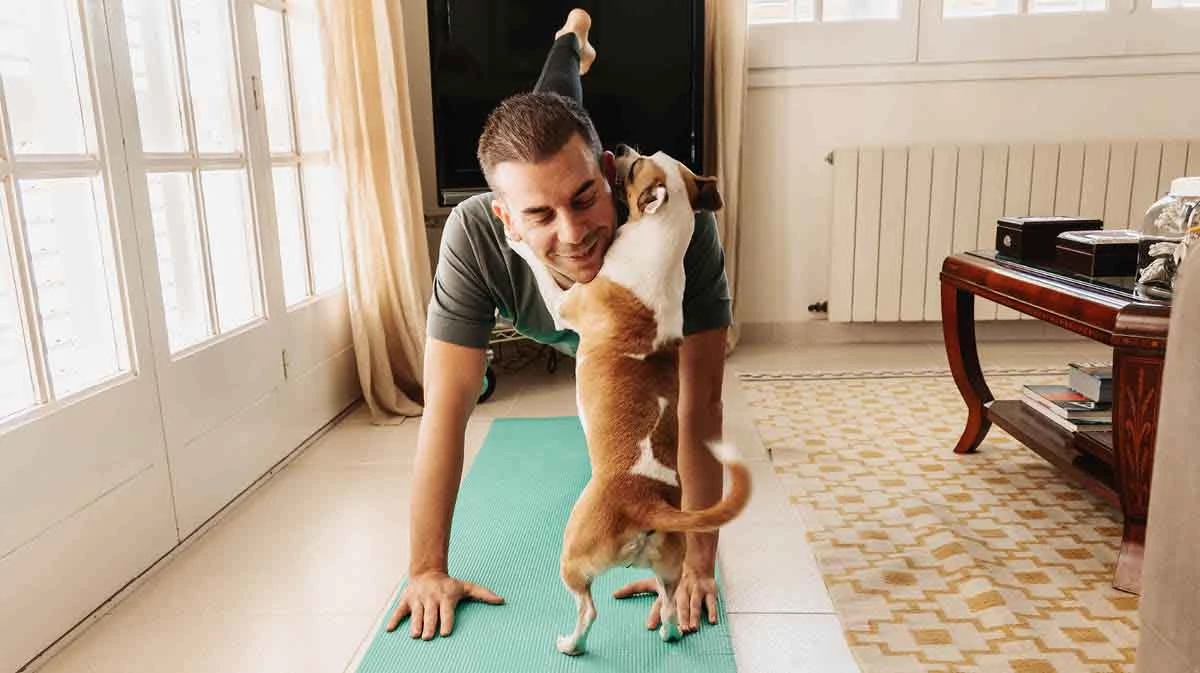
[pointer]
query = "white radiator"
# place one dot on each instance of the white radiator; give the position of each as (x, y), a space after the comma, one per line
(899, 211)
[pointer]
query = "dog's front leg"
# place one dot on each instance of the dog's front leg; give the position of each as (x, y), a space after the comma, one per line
(668, 569)
(669, 631)
(580, 584)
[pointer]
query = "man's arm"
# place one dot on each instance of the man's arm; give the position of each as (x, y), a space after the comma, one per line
(701, 373)
(452, 381)
(453, 374)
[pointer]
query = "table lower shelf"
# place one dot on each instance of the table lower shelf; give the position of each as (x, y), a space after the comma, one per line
(1086, 455)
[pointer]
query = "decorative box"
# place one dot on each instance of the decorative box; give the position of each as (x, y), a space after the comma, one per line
(1035, 238)
(1098, 253)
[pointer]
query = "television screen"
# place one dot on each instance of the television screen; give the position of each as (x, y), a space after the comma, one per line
(644, 90)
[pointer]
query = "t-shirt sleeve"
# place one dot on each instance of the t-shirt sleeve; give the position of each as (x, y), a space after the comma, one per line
(462, 310)
(707, 303)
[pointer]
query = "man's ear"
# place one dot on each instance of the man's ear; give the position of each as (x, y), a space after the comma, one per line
(608, 164)
(501, 211)
(702, 190)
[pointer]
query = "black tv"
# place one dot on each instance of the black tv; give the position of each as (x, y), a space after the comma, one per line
(645, 88)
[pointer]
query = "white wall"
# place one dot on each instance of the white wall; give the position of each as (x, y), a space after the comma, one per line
(795, 117)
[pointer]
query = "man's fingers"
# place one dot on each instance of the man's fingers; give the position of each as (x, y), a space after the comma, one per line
(418, 619)
(635, 588)
(682, 608)
(398, 616)
(710, 603)
(431, 620)
(447, 615)
(481, 593)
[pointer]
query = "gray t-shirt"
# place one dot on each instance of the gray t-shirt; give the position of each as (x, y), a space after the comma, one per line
(479, 275)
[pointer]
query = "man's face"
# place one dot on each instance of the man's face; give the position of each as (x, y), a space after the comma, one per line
(562, 208)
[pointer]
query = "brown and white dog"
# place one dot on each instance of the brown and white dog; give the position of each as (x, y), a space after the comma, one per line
(630, 325)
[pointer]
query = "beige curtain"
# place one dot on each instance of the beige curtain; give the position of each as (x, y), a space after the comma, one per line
(388, 277)
(724, 105)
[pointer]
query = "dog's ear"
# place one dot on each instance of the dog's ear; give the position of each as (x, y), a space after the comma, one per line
(652, 198)
(702, 190)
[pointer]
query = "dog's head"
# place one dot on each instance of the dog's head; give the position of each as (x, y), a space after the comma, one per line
(642, 183)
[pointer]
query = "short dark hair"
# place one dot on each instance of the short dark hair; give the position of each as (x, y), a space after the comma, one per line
(532, 127)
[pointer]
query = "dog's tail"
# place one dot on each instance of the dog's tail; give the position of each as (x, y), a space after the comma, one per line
(669, 519)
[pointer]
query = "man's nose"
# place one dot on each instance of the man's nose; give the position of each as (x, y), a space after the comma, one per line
(572, 230)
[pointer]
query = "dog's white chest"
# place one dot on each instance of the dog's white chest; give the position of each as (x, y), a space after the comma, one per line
(647, 259)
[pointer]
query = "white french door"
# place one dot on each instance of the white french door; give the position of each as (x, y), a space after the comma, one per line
(81, 442)
(184, 89)
(308, 204)
(172, 314)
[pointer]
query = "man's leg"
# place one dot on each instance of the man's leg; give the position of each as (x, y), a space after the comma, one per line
(570, 57)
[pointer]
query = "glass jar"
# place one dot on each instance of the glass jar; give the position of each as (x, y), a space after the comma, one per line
(1169, 229)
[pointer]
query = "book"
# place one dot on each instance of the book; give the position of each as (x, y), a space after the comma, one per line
(1067, 403)
(1062, 422)
(1092, 379)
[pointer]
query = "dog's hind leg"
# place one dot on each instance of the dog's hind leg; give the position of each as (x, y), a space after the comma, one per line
(580, 584)
(668, 570)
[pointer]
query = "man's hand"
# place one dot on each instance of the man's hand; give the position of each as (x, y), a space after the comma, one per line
(431, 598)
(694, 592)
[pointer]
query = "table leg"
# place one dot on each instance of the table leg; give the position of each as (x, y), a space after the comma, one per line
(958, 329)
(1137, 379)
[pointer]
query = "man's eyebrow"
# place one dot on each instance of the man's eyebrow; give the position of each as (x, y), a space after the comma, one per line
(583, 188)
(540, 210)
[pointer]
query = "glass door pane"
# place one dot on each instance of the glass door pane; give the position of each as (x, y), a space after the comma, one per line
(16, 380)
(232, 247)
(74, 270)
(45, 78)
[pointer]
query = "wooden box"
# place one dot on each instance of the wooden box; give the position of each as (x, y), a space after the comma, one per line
(1035, 238)
(1098, 253)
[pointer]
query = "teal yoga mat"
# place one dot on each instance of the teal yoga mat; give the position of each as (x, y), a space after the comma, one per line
(507, 535)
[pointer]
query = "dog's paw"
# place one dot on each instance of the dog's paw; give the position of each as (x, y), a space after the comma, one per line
(669, 632)
(569, 646)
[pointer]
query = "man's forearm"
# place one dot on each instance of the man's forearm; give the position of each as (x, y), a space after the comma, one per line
(701, 374)
(452, 375)
(436, 478)
(702, 478)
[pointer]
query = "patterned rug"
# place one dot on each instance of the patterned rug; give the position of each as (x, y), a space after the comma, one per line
(993, 562)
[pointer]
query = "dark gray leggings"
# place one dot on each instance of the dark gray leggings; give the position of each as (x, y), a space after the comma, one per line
(560, 73)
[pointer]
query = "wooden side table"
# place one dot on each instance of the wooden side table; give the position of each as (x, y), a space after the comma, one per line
(1115, 464)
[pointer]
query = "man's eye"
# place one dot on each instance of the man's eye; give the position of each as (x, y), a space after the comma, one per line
(586, 203)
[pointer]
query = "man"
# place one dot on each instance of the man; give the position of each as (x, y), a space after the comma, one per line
(547, 224)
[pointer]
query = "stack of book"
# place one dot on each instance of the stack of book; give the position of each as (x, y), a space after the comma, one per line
(1085, 403)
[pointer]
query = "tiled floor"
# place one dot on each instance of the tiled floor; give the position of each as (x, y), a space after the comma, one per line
(295, 578)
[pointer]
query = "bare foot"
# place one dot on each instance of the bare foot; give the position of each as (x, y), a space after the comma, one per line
(580, 22)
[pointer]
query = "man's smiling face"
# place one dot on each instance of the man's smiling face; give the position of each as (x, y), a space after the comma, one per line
(562, 208)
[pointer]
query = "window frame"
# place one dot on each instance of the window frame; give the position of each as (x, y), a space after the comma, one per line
(298, 158)
(195, 162)
(103, 161)
(794, 44)
(922, 35)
